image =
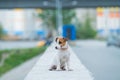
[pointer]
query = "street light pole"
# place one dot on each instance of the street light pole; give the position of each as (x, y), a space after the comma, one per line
(59, 22)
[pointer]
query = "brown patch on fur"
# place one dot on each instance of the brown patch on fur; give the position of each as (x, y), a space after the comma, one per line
(62, 41)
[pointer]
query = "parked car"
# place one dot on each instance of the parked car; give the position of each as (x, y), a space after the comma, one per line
(113, 40)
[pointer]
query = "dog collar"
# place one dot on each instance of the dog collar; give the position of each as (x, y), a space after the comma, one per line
(64, 48)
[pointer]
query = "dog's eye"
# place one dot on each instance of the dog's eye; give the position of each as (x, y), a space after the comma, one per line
(60, 42)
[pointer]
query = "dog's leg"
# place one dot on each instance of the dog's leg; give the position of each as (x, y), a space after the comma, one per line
(58, 64)
(68, 66)
(62, 66)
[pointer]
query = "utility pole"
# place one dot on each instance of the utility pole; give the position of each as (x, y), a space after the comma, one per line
(59, 21)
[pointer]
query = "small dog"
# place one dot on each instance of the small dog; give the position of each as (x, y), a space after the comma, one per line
(62, 58)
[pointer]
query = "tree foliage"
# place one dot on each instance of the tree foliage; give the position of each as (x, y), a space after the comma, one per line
(68, 15)
(49, 17)
(1, 31)
(85, 30)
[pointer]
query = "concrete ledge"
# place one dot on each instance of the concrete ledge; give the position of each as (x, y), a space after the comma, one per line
(40, 70)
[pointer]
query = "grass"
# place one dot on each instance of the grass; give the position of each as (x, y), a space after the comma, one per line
(18, 56)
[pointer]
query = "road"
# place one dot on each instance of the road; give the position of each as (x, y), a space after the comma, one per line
(17, 44)
(102, 61)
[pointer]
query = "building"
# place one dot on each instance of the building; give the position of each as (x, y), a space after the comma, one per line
(21, 22)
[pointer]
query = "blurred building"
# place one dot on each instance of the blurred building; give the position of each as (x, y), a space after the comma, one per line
(105, 20)
(21, 22)
(25, 23)
(82, 12)
(108, 21)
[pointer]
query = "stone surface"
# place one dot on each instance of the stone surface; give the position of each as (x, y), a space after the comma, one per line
(40, 70)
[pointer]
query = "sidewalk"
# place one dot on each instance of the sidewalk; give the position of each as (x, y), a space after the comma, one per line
(40, 70)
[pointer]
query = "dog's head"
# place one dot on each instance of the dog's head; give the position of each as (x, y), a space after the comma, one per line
(61, 42)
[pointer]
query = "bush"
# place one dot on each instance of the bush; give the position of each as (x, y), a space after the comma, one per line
(86, 31)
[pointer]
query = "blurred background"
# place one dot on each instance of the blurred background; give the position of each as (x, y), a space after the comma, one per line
(27, 28)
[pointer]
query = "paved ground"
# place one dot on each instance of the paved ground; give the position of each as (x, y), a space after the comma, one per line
(102, 61)
(20, 72)
(17, 44)
(41, 70)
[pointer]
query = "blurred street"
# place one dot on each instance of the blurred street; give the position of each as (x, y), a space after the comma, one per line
(102, 61)
(17, 44)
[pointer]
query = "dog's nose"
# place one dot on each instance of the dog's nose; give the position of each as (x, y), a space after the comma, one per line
(56, 47)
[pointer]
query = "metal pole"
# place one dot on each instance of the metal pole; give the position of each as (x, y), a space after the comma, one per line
(59, 16)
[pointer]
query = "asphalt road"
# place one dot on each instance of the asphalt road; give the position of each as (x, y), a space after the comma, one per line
(17, 44)
(102, 61)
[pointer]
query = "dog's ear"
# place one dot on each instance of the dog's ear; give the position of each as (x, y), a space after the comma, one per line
(66, 39)
(56, 39)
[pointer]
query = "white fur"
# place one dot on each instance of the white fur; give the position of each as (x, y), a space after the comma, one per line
(62, 57)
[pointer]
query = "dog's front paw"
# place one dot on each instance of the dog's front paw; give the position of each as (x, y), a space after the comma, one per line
(50, 69)
(70, 69)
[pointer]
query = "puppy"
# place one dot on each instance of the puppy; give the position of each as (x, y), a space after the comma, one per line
(62, 58)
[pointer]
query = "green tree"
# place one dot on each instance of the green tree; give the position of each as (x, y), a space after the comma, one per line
(49, 17)
(85, 30)
(68, 15)
(1, 31)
